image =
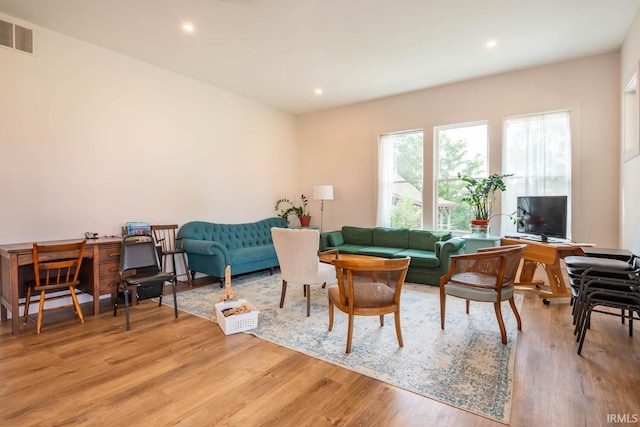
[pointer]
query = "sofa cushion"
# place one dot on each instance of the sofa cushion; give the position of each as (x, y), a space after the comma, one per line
(251, 254)
(426, 259)
(350, 249)
(391, 237)
(379, 251)
(335, 239)
(357, 235)
(425, 240)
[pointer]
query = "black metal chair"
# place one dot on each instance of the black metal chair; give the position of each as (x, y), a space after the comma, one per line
(604, 278)
(602, 290)
(140, 270)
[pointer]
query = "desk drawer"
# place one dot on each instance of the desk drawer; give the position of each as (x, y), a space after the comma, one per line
(108, 269)
(109, 253)
(108, 285)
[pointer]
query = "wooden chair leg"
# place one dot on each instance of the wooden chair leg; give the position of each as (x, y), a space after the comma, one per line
(381, 320)
(26, 304)
(512, 303)
(396, 316)
(76, 305)
(503, 331)
(467, 305)
(186, 270)
(330, 315)
(349, 333)
(283, 293)
(307, 291)
(40, 312)
(443, 304)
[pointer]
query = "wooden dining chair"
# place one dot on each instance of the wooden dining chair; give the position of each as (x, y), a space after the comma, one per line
(369, 286)
(55, 273)
(166, 237)
(485, 276)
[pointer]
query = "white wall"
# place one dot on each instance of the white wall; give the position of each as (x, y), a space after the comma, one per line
(342, 141)
(630, 170)
(90, 139)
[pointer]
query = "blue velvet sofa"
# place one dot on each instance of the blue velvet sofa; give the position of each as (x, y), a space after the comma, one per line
(430, 251)
(246, 247)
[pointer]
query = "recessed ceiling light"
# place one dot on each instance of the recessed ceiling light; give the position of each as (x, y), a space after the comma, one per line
(491, 43)
(188, 27)
(318, 91)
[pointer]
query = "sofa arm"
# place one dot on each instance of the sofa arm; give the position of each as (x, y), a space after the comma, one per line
(206, 247)
(324, 239)
(445, 249)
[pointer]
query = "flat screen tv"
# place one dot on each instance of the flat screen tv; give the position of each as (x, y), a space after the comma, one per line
(544, 216)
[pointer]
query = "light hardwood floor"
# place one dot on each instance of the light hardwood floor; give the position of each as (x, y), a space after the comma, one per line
(185, 371)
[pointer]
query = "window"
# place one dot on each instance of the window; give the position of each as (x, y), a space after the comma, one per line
(461, 149)
(400, 172)
(537, 151)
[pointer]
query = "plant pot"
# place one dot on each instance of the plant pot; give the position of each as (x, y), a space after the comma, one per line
(480, 227)
(304, 220)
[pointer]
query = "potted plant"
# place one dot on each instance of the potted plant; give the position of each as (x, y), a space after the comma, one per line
(481, 198)
(285, 207)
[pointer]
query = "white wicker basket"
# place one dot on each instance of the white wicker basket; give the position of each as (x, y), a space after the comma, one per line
(237, 322)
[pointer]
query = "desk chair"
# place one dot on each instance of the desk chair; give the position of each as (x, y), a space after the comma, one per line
(297, 252)
(486, 276)
(165, 237)
(56, 268)
(140, 270)
(368, 287)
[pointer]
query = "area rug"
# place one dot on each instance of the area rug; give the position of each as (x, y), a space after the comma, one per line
(465, 366)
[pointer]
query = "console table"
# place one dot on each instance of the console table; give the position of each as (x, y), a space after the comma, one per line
(99, 274)
(548, 254)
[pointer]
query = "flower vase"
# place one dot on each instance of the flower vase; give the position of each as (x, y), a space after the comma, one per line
(479, 227)
(305, 220)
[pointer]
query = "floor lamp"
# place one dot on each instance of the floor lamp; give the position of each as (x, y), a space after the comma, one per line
(322, 192)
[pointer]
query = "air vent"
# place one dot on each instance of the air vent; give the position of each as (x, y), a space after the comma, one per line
(16, 37)
(6, 34)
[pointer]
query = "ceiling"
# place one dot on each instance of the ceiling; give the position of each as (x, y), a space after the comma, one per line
(278, 52)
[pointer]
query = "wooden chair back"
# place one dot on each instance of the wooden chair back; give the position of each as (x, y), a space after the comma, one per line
(166, 237)
(371, 285)
(57, 271)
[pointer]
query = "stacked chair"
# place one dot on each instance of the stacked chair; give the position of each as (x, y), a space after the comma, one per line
(604, 283)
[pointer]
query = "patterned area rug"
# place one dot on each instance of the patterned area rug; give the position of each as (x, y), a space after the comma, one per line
(465, 366)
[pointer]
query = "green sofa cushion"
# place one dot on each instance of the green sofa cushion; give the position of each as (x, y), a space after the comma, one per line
(420, 258)
(357, 235)
(335, 239)
(391, 237)
(425, 240)
(380, 251)
(350, 249)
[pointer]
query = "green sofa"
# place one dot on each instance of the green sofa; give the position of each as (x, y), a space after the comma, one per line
(430, 251)
(246, 247)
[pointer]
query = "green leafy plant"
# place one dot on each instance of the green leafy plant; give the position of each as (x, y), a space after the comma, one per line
(285, 207)
(482, 193)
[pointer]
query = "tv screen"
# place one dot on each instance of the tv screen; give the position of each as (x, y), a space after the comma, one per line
(544, 216)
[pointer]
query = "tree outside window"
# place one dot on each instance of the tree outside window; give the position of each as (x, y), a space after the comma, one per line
(400, 180)
(462, 150)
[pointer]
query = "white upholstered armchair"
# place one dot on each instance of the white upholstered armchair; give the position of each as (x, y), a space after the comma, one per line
(297, 251)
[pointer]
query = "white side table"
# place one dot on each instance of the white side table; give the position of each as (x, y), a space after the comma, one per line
(473, 243)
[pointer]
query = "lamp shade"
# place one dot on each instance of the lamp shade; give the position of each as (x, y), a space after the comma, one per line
(323, 192)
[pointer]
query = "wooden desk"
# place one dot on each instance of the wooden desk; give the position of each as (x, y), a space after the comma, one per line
(548, 254)
(99, 274)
